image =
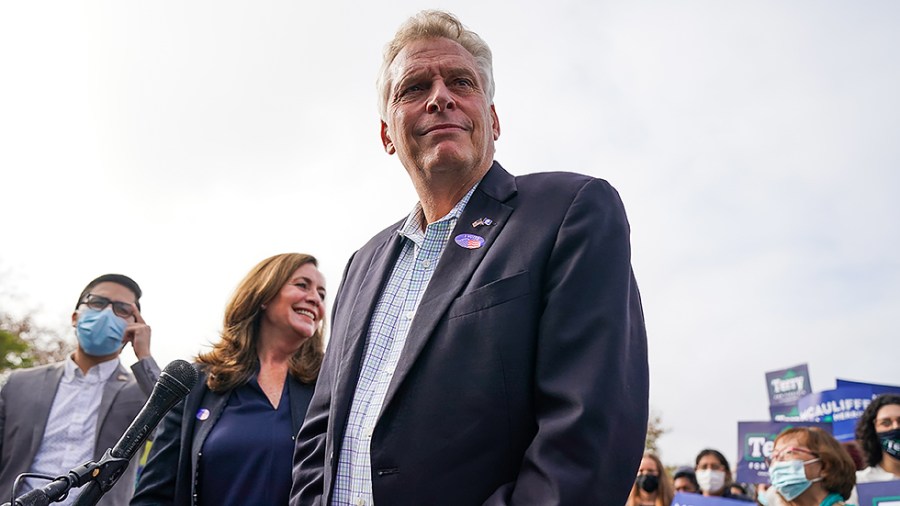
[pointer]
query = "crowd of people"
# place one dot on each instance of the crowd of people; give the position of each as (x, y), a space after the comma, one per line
(807, 466)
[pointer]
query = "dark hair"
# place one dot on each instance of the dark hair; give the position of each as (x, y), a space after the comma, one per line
(715, 453)
(865, 428)
(689, 474)
(722, 460)
(855, 454)
(119, 279)
(840, 473)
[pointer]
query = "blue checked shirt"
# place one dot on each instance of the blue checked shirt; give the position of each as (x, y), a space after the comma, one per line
(387, 335)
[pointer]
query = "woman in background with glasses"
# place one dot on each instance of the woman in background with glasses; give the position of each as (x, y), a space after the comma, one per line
(231, 440)
(808, 467)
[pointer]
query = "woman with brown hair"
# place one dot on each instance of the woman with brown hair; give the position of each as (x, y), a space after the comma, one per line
(231, 440)
(808, 467)
(652, 486)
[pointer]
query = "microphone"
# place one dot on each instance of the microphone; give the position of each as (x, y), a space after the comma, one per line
(176, 380)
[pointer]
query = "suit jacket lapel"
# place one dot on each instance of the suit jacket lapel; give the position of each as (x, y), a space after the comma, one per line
(40, 410)
(299, 397)
(215, 404)
(364, 303)
(456, 266)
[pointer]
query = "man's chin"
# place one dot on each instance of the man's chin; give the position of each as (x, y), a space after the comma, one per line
(449, 161)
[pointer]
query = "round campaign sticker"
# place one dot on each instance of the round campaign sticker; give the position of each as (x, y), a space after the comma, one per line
(202, 414)
(469, 241)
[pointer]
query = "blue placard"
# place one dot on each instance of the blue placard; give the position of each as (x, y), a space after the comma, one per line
(787, 386)
(841, 406)
(880, 493)
(755, 441)
(876, 388)
(683, 499)
(784, 413)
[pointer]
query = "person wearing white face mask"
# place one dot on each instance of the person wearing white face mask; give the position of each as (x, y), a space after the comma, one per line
(714, 474)
(808, 467)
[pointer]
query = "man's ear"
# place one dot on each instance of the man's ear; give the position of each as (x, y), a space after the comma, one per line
(495, 123)
(386, 139)
(74, 318)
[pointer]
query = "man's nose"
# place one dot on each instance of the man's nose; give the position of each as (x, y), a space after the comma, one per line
(440, 99)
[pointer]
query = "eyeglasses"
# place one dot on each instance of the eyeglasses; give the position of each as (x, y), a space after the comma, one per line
(789, 453)
(98, 303)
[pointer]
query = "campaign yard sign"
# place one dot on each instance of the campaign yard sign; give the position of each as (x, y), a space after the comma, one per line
(755, 442)
(784, 413)
(881, 493)
(841, 407)
(787, 386)
(683, 499)
(876, 388)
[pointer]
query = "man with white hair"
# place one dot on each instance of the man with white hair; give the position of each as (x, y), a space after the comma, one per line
(490, 347)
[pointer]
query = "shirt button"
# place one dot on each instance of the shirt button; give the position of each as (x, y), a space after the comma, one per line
(367, 433)
(360, 502)
(408, 315)
(426, 263)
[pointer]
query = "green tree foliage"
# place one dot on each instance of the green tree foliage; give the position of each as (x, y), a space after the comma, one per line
(13, 351)
(23, 343)
(655, 430)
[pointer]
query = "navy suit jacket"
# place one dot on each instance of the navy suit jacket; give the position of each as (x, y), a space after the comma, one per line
(171, 474)
(524, 377)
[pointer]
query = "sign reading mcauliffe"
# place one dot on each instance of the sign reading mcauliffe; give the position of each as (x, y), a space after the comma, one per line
(841, 406)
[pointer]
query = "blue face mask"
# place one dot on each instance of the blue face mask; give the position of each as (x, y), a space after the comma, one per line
(100, 332)
(789, 478)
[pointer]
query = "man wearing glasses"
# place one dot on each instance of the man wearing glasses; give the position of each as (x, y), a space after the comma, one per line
(58, 416)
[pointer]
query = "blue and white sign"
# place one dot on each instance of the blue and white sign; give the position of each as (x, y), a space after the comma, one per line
(841, 407)
(881, 493)
(784, 413)
(755, 442)
(683, 499)
(876, 388)
(787, 386)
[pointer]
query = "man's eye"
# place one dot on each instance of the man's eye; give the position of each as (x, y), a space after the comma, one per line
(465, 82)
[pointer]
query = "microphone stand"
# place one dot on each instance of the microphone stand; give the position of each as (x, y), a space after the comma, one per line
(99, 476)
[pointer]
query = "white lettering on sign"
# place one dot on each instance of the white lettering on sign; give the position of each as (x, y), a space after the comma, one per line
(788, 385)
(760, 447)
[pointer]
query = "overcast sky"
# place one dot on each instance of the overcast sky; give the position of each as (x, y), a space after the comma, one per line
(756, 146)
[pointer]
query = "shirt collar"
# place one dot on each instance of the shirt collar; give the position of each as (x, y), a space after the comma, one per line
(412, 225)
(99, 373)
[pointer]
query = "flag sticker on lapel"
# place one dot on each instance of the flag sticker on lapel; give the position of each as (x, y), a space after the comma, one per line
(482, 221)
(202, 414)
(469, 241)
